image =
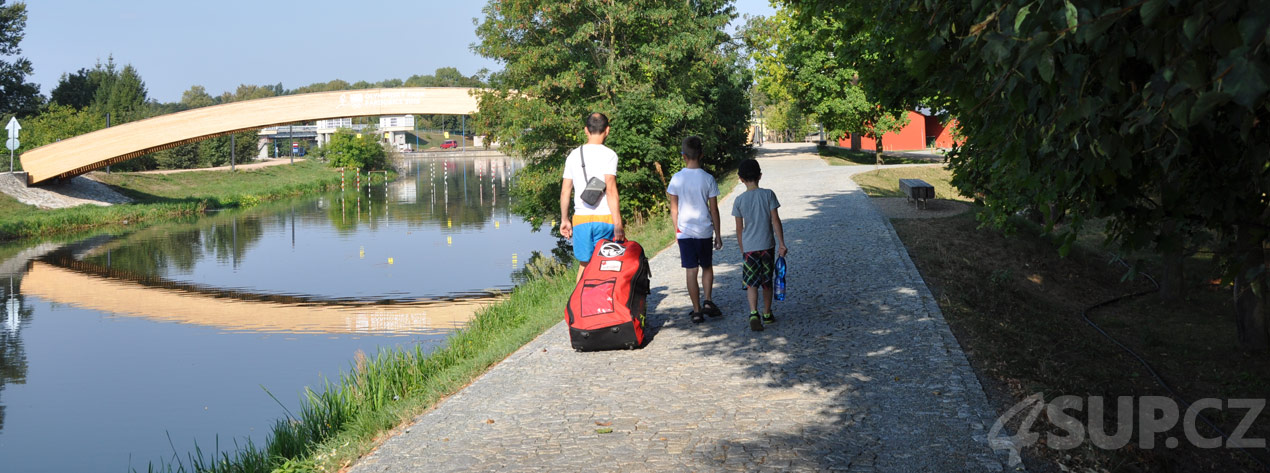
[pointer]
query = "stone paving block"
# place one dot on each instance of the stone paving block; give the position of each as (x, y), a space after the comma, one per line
(844, 381)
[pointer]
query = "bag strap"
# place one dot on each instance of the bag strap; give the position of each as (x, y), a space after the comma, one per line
(582, 157)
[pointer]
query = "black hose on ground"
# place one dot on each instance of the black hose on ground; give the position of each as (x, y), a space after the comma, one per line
(1158, 379)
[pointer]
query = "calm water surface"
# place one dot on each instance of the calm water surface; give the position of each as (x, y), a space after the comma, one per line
(111, 345)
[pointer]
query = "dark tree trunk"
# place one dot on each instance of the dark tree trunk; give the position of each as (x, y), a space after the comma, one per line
(1173, 276)
(1172, 257)
(1252, 291)
(878, 150)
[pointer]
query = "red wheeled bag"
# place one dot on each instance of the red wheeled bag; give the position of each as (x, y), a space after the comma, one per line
(607, 308)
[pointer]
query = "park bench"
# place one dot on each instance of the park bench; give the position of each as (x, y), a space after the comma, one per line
(917, 191)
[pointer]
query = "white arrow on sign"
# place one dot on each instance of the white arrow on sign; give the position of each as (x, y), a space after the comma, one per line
(13, 127)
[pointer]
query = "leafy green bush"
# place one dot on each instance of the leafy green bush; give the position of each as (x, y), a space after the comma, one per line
(356, 150)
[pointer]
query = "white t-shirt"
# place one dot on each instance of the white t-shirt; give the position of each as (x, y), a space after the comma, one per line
(600, 160)
(694, 187)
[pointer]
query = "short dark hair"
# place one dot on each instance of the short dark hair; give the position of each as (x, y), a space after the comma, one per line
(749, 171)
(691, 147)
(596, 123)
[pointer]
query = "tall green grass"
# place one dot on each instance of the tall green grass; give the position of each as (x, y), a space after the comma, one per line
(340, 422)
(343, 420)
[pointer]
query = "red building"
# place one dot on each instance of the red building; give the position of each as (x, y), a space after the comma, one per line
(922, 132)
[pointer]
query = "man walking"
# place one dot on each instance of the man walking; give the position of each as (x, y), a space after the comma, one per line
(600, 220)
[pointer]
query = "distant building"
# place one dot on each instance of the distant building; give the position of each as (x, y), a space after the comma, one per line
(326, 128)
(395, 128)
(924, 130)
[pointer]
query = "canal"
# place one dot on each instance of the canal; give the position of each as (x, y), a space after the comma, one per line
(122, 350)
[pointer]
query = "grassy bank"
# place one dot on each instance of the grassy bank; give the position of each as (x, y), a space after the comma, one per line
(1015, 307)
(347, 418)
(162, 197)
(839, 156)
(886, 182)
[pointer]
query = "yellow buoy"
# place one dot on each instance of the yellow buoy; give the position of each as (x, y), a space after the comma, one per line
(496, 224)
(361, 253)
(448, 241)
(449, 223)
(389, 260)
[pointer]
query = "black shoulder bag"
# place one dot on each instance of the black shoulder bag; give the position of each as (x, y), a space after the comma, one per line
(594, 190)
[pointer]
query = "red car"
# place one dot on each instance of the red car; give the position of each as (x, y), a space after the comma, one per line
(449, 144)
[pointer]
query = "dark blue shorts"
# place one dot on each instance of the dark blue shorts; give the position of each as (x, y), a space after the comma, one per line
(696, 252)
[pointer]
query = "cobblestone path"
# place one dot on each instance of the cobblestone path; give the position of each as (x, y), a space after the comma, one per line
(860, 372)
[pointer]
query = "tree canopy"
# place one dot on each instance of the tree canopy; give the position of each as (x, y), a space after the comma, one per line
(349, 149)
(828, 61)
(17, 96)
(660, 71)
(105, 89)
(1150, 116)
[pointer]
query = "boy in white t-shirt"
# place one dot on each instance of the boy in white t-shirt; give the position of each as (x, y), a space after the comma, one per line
(590, 224)
(694, 209)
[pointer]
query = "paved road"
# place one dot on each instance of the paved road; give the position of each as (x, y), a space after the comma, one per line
(860, 373)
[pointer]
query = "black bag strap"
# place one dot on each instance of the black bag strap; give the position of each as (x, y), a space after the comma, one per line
(582, 157)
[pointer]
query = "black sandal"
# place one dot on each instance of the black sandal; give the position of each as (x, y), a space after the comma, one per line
(711, 309)
(696, 317)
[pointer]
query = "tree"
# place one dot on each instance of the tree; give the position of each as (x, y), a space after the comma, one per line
(774, 90)
(75, 90)
(336, 84)
(57, 122)
(660, 70)
(177, 157)
(123, 94)
(196, 97)
(17, 96)
(1149, 115)
(836, 61)
(251, 92)
(348, 149)
(216, 151)
(445, 77)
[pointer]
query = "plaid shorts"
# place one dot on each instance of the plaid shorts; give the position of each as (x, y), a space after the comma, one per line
(758, 268)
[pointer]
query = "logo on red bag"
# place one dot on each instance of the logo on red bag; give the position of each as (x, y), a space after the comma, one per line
(611, 250)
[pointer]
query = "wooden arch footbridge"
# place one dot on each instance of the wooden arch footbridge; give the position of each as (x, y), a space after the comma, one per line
(101, 148)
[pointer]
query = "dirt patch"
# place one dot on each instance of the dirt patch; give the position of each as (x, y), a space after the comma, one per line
(1014, 305)
(72, 192)
(899, 207)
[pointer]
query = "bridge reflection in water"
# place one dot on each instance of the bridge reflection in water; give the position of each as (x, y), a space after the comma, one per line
(122, 296)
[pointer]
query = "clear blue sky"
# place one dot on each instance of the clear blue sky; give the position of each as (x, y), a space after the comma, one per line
(175, 44)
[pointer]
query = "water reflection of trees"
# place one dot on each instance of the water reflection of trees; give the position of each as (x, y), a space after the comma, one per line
(154, 253)
(459, 194)
(230, 241)
(13, 365)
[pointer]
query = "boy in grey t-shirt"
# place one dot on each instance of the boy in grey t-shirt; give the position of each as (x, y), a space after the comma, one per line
(758, 233)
